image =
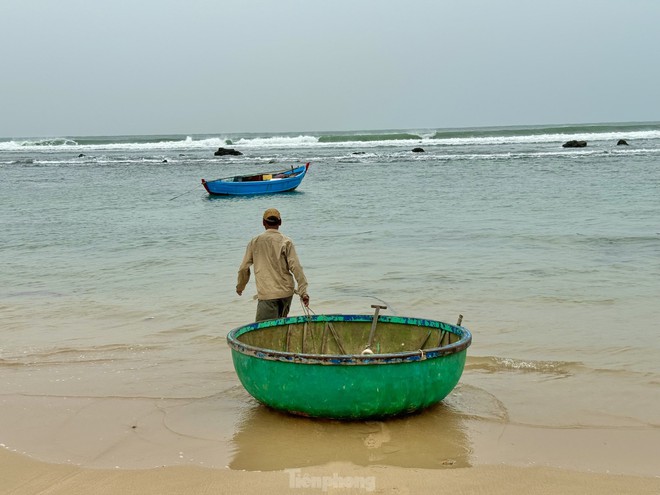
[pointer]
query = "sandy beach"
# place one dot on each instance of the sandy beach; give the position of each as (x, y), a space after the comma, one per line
(20, 475)
(268, 451)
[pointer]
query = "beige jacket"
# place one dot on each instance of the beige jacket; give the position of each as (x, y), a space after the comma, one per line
(275, 265)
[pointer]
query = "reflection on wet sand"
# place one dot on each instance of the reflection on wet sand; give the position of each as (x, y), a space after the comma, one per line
(269, 440)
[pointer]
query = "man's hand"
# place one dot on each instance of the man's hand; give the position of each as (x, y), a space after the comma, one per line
(305, 300)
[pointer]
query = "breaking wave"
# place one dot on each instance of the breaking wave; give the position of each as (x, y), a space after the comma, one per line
(492, 364)
(429, 137)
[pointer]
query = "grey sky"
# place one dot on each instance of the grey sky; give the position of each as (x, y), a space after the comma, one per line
(97, 67)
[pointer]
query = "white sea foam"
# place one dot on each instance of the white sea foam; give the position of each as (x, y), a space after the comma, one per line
(278, 142)
(546, 138)
(75, 146)
(311, 141)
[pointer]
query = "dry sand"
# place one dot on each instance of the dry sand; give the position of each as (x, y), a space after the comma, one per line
(20, 475)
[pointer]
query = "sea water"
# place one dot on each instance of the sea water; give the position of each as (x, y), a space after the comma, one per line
(118, 273)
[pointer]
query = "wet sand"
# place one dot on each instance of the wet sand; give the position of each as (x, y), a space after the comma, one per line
(230, 444)
(20, 475)
(510, 426)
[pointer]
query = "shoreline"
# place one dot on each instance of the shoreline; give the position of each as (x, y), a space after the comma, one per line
(75, 446)
(21, 475)
(231, 430)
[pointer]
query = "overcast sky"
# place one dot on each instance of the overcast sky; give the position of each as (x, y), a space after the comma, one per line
(97, 67)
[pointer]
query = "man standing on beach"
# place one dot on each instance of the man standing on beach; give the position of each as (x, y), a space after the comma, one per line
(275, 266)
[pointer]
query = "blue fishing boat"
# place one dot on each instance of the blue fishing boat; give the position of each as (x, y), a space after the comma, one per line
(264, 183)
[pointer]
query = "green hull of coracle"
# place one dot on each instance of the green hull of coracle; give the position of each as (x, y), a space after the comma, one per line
(417, 364)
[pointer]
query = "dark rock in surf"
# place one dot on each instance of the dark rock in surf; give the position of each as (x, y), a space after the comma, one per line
(81, 155)
(622, 142)
(227, 151)
(574, 144)
(418, 150)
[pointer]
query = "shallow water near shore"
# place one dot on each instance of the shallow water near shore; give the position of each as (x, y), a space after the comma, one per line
(118, 275)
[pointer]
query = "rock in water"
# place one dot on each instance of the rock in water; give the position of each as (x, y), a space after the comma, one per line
(574, 144)
(227, 151)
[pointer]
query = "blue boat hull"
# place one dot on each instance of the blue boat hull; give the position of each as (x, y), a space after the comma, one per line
(245, 185)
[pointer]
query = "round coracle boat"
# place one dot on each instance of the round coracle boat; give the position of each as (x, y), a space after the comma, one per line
(349, 366)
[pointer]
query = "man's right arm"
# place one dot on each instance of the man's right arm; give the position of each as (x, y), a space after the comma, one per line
(244, 270)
